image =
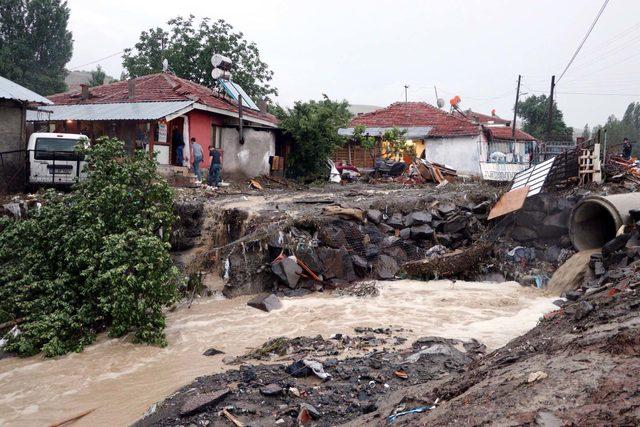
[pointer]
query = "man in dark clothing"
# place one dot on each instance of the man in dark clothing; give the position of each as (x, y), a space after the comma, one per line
(178, 143)
(626, 149)
(216, 166)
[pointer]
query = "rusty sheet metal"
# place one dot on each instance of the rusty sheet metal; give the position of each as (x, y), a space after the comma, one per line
(509, 202)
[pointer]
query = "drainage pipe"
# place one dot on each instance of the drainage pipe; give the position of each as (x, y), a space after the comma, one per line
(596, 219)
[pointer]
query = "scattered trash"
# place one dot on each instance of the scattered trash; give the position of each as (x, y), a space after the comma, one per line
(400, 373)
(255, 184)
(317, 369)
(235, 421)
(417, 410)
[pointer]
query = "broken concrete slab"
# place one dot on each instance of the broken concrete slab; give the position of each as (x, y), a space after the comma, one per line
(265, 302)
(200, 402)
(445, 208)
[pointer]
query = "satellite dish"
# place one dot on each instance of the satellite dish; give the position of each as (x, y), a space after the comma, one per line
(216, 73)
(440, 102)
(221, 61)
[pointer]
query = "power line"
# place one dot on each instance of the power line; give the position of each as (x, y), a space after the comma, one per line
(593, 24)
(97, 60)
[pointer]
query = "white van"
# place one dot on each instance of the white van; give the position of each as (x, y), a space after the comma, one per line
(53, 158)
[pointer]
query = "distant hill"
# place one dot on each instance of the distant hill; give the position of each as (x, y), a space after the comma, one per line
(76, 78)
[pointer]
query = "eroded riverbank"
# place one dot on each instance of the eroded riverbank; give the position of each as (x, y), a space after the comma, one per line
(122, 380)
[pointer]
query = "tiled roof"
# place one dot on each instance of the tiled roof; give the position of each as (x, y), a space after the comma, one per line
(415, 114)
(504, 132)
(157, 87)
(484, 119)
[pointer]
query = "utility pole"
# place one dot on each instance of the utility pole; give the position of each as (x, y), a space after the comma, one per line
(549, 119)
(436, 89)
(405, 92)
(515, 110)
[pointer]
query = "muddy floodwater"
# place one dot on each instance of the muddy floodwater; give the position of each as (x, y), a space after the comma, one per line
(121, 380)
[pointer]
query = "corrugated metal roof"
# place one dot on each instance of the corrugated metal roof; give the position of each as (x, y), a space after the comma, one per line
(114, 111)
(534, 177)
(11, 90)
(411, 132)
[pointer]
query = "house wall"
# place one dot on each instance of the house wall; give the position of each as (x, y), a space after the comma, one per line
(461, 153)
(251, 158)
(12, 137)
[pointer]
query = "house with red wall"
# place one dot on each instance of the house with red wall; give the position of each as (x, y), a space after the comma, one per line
(148, 111)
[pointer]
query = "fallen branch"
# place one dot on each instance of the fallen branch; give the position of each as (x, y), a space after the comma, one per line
(72, 419)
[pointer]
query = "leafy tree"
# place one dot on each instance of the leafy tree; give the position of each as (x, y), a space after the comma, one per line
(586, 133)
(93, 260)
(313, 127)
(35, 44)
(534, 112)
(627, 127)
(97, 77)
(189, 46)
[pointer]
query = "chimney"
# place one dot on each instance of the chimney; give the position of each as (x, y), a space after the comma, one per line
(84, 94)
(131, 88)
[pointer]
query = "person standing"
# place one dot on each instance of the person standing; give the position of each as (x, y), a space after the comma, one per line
(178, 142)
(197, 156)
(216, 166)
(626, 149)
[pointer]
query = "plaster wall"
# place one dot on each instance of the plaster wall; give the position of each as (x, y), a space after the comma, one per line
(251, 158)
(461, 153)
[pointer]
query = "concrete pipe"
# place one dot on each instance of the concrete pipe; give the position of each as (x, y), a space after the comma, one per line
(596, 219)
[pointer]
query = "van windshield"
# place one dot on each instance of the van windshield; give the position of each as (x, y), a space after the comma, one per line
(58, 148)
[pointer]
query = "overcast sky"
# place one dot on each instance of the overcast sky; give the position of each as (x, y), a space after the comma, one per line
(366, 51)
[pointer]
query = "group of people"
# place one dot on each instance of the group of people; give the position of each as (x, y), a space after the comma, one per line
(197, 156)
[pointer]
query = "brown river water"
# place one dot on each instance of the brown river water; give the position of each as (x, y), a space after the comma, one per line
(121, 380)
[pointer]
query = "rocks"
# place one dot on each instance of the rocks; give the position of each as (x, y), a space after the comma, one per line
(446, 208)
(615, 244)
(555, 225)
(313, 412)
(288, 271)
(454, 225)
(360, 265)
(265, 302)
(200, 402)
(405, 233)
(421, 232)
(374, 215)
(212, 352)
(396, 221)
(522, 234)
(337, 264)
(417, 218)
(385, 267)
(584, 308)
(573, 295)
(271, 390)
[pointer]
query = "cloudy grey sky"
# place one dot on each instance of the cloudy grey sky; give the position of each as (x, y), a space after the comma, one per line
(365, 51)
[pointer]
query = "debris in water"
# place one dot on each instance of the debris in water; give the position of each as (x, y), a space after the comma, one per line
(265, 302)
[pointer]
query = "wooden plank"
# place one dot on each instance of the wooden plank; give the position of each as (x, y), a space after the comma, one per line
(509, 202)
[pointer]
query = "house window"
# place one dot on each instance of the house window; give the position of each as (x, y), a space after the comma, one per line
(216, 136)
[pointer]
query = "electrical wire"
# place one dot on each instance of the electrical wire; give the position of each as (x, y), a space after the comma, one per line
(593, 24)
(97, 60)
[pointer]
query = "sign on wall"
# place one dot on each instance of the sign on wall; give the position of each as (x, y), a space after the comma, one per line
(162, 132)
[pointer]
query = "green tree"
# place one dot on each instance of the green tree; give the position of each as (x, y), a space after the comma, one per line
(313, 127)
(35, 44)
(586, 133)
(627, 127)
(97, 77)
(92, 260)
(534, 112)
(189, 46)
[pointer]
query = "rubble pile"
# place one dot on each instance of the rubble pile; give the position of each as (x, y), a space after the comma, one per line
(348, 244)
(321, 392)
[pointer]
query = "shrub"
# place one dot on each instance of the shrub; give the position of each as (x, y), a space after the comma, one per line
(96, 259)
